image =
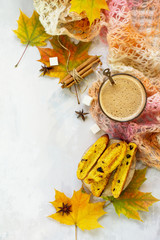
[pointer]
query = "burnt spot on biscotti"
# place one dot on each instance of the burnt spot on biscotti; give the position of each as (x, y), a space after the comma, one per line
(84, 160)
(118, 181)
(100, 170)
(81, 171)
(127, 163)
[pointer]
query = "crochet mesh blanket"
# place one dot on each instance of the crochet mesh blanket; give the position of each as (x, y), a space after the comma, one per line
(133, 34)
(57, 20)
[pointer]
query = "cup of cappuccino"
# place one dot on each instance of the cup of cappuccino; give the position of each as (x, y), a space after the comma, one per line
(124, 100)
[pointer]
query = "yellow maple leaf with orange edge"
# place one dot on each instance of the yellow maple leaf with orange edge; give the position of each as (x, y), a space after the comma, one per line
(91, 7)
(77, 210)
(30, 31)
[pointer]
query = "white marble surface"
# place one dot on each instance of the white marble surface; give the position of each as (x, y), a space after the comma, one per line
(41, 142)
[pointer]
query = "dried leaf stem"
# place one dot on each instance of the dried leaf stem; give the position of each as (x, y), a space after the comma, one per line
(22, 54)
(75, 232)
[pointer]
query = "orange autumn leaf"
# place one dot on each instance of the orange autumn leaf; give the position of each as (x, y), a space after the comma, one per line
(77, 210)
(30, 31)
(78, 54)
(131, 200)
(91, 7)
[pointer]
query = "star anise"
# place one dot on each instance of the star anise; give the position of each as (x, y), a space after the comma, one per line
(81, 114)
(45, 69)
(65, 209)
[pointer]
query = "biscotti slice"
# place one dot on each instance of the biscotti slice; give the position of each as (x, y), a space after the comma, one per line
(91, 156)
(123, 170)
(98, 187)
(108, 162)
(89, 179)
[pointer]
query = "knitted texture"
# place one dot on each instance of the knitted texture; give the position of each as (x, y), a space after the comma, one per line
(133, 36)
(57, 20)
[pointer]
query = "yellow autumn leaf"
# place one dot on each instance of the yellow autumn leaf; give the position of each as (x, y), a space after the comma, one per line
(30, 31)
(91, 7)
(77, 210)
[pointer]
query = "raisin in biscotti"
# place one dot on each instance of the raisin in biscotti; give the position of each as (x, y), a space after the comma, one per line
(123, 169)
(108, 162)
(91, 156)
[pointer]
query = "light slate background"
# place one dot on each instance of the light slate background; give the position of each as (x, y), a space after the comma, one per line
(41, 143)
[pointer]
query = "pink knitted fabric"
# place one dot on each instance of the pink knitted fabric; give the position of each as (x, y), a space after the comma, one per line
(137, 130)
(132, 32)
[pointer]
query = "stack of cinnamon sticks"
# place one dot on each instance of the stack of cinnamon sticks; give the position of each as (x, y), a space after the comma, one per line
(83, 70)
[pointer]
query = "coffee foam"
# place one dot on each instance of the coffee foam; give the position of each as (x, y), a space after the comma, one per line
(124, 100)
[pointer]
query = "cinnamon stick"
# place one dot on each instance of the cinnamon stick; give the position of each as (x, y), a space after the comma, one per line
(83, 76)
(69, 80)
(88, 61)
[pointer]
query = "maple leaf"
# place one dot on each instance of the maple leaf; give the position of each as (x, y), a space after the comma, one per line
(77, 210)
(131, 200)
(78, 54)
(30, 31)
(137, 180)
(91, 7)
